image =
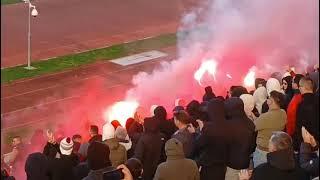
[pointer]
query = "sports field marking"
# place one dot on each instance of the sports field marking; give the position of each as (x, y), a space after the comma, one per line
(138, 58)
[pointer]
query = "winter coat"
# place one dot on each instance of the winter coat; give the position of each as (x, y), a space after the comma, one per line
(187, 168)
(36, 167)
(98, 174)
(307, 116)
(81, 170)
(212, 144)
(148, 149)
(50, 150)
(273, 120)
(292, 114)
(309, 160)
(118, 153)
(242, 132)
(187, 139)
(97, 137)
(166, 127)
(280, 166)
(260, 96)
(62, 168)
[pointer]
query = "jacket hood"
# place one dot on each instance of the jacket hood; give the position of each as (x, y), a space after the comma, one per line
(160, 113)
(283, 159)
(193, 108)
(248, 102)
(174, 149)
(208, 94)
(234, 108)
(260, 96)
(113, 143)
(216, 111)
(273, 85)
(36, 166)
(151, 125)
(107, 131)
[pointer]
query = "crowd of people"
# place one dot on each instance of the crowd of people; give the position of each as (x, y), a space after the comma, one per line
(271, 132)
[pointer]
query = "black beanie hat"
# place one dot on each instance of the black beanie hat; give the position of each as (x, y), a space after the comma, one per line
(98, 156)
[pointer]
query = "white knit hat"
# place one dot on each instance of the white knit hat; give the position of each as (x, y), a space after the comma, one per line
(66, 146)
(107, 131)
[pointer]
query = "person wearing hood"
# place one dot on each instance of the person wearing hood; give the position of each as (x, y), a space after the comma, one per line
(273, 120)
(260, 96)
(61, 168)
(293, 105)
(307, 113)
(94, 134)
(259, 82)
(149, 147)
(287, 88)
(243, 137)
(176, 161)
(280, 161)
(122, 135)
(193, 109)
(248, 101)
(181, 120)
(211, 146)
(36, 167)
(118, 153)
(274, 85)
(166, 126)
(98, 161)
(208, 94)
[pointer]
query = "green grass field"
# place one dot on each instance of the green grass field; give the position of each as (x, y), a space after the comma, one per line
(75, 60)
(3, 2)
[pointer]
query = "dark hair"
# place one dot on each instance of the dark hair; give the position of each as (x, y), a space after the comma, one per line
(278, 98)
(135, 167)
(94, 129)
(288, 79)
(237, 91)
(297, 78)
(76, 136)
(182, 116)
(259, 81)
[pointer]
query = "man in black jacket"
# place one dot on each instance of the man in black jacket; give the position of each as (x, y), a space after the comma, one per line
(307, 113)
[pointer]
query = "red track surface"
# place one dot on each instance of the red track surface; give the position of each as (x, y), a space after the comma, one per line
(40, 101)
(68, 26)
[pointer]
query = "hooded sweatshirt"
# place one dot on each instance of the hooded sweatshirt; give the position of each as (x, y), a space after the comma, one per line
(242, 132)
(260, 96)
(280, 165)
(176, 160)
(36, 167)
(212, 144)
(248, 101)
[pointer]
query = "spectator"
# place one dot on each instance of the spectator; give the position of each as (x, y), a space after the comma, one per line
(98, 161)
(129, 122)
(62, 168)
(243, 136)
(193, 109)
(260, 96)
(307, 113)
(309, 160)
(152, 108)
(287, 88)
(166, 127)
(273, 120)
(181, 120)
(149, 147)
(273, 85)
(135, 167)
(36, 167)
(176, 160)
(134, 131)
(118, 153)
(52, 148)
(248, 101)
(211, 145)
(237, 91)
(293, 106)
(208, 94)
(122, 135)
(94, 134)
(180, 102)
(280, 163)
